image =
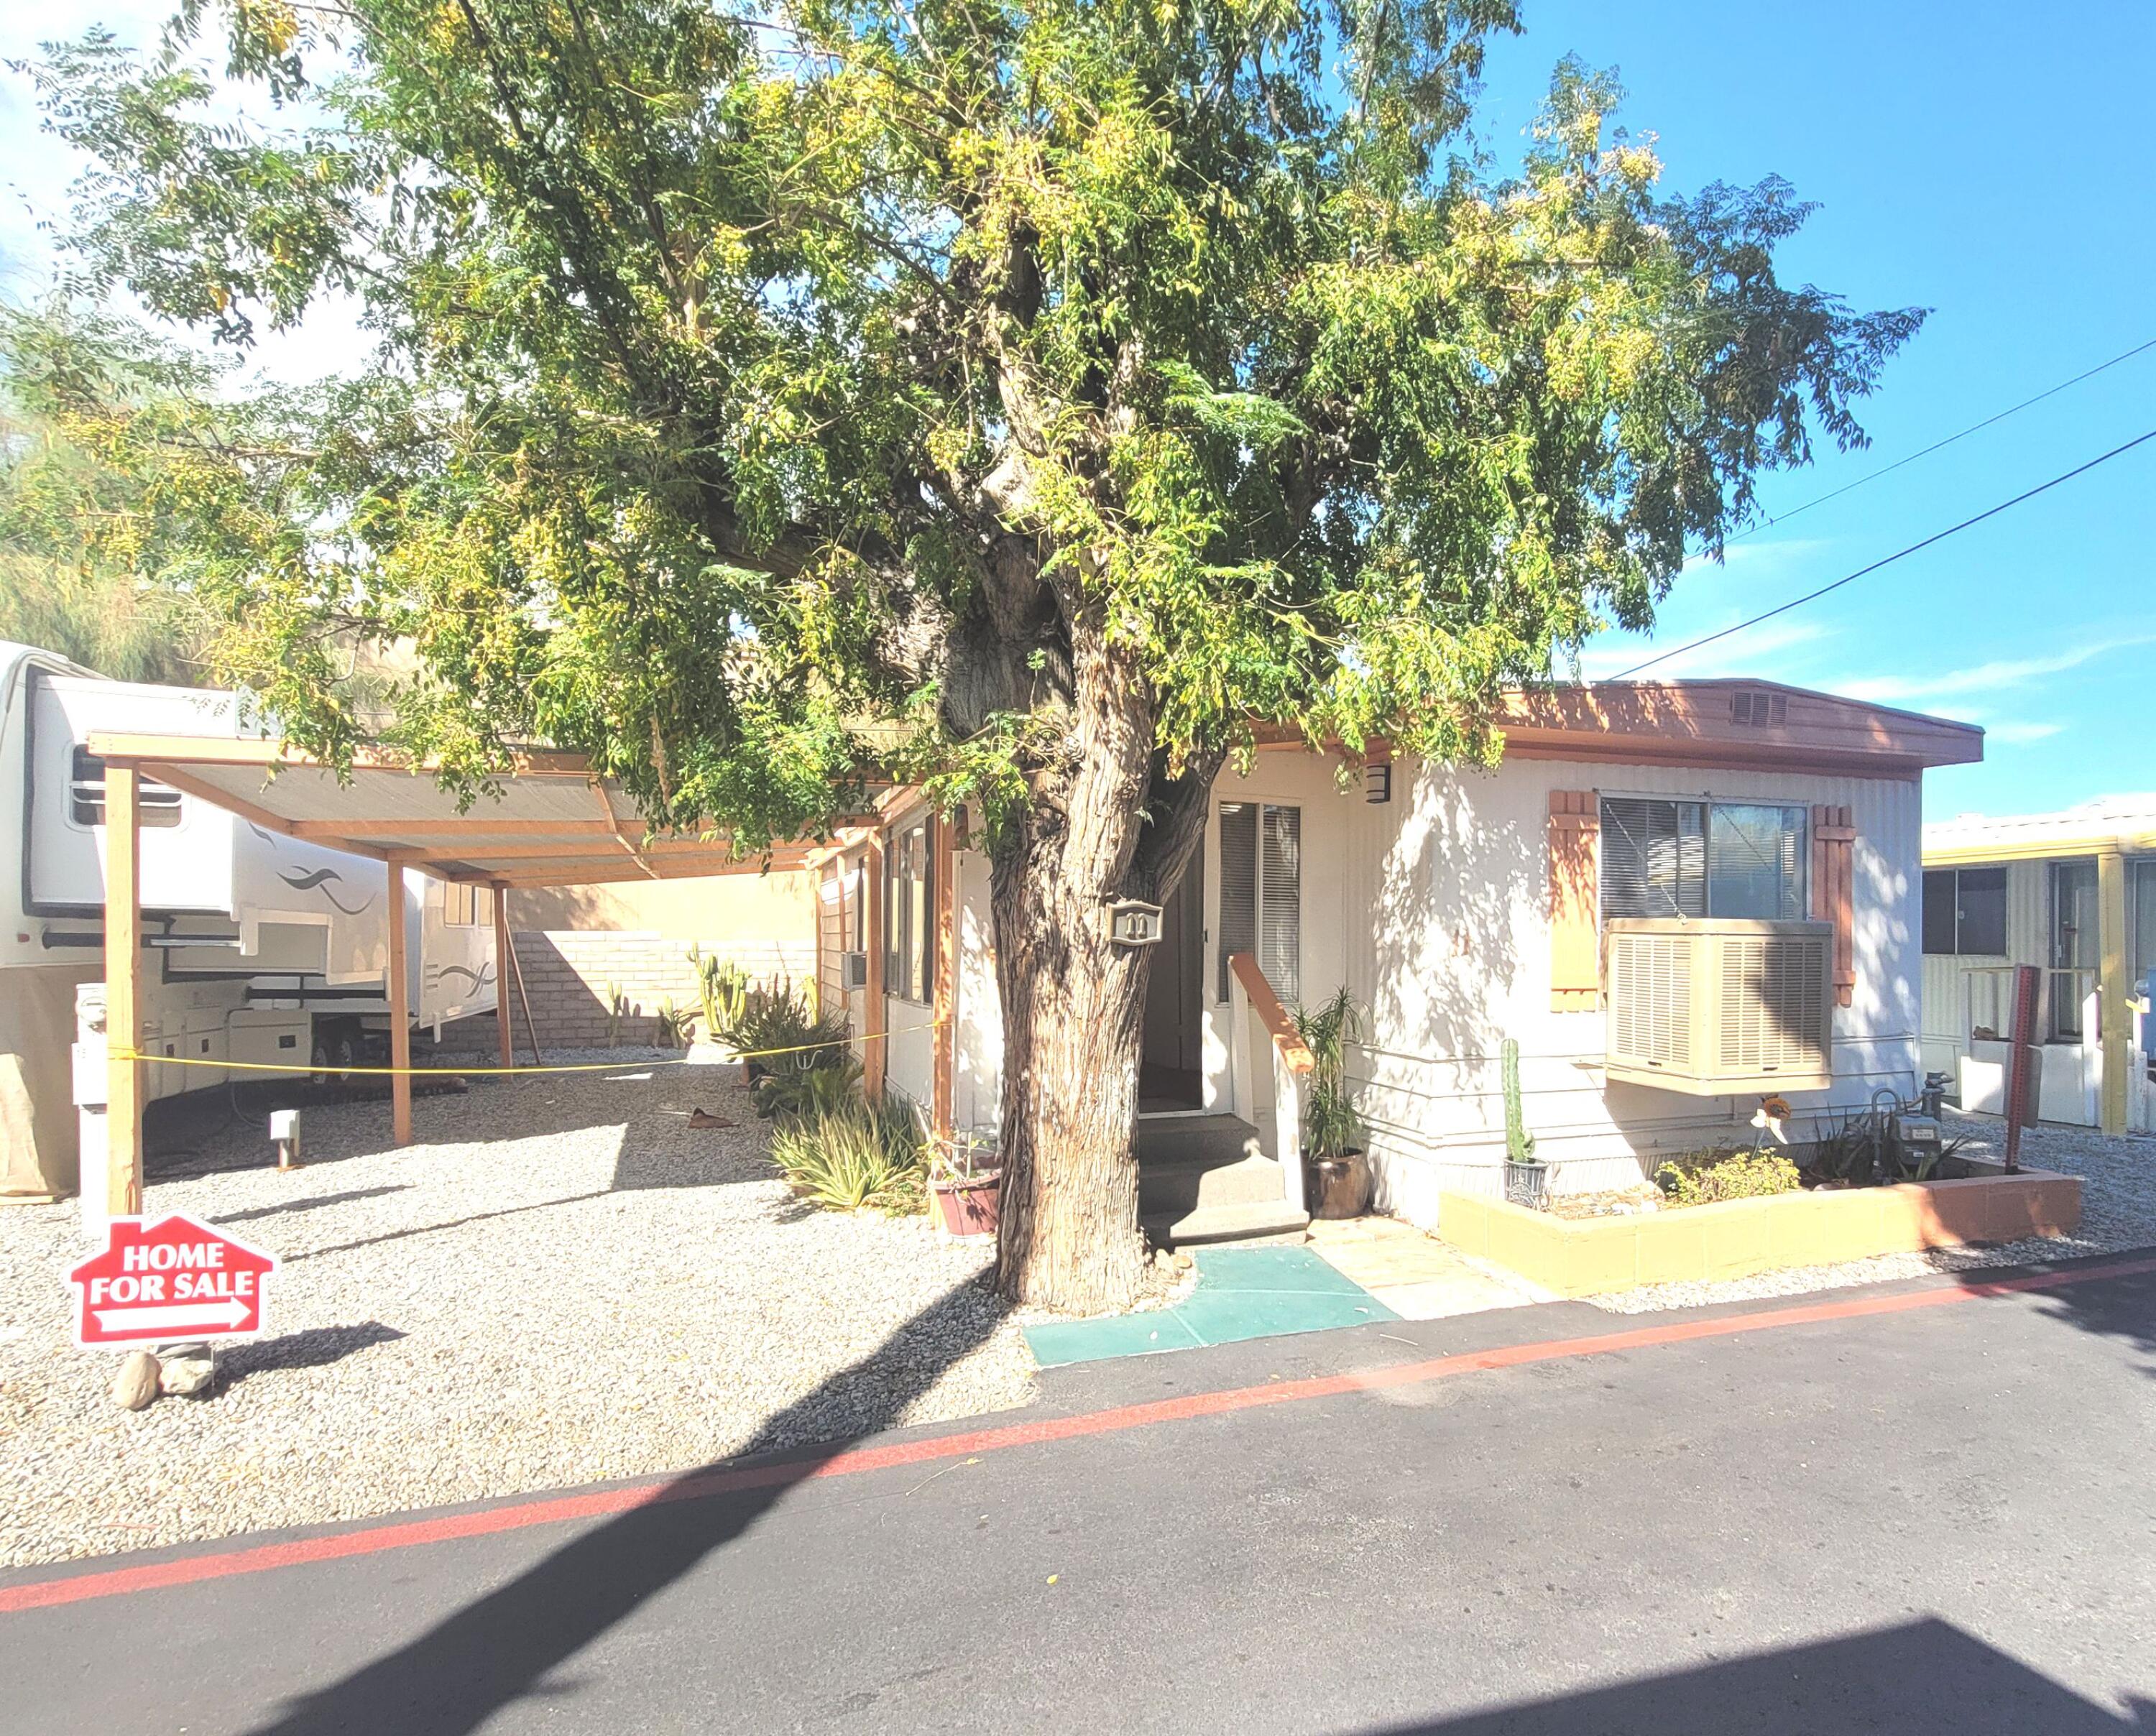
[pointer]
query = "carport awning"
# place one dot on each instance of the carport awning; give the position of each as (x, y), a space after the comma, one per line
(552, 823)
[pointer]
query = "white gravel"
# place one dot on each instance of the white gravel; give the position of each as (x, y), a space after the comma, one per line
(2119, 1211)
(562, 1282)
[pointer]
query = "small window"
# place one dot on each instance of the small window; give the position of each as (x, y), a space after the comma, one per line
(460, 905)
(1965, 912)
(156, 804)
(908, 913)
(1261, 893)
(1667, 859)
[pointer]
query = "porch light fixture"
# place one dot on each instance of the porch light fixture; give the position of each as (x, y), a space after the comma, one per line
(1378, 784)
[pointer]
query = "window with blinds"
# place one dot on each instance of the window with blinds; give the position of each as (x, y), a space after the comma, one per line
(1666, 858)
(1261, 893)
(909, 907)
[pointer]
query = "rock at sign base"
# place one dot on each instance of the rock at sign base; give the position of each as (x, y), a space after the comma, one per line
(136, 1383)
(187, 1376)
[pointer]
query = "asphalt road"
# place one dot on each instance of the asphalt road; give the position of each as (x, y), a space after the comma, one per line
(1936, 1518)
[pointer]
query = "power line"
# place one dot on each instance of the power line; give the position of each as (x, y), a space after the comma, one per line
(1990, 512)
(1975, 427)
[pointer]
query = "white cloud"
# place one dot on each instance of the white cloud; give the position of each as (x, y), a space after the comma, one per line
(1758, 652)
(2020, 734)
(1985, 677)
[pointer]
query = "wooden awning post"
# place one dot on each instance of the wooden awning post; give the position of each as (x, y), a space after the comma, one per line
(400, 1014)
(502, 944)
(122, 1180)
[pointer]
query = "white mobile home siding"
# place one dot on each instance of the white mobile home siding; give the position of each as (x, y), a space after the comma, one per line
(1434, 910)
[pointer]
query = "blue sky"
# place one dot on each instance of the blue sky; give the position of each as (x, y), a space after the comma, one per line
(1973, 158)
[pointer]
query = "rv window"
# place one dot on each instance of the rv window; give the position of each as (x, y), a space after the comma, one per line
(1699, 858)
(156, 804)
(460, 905)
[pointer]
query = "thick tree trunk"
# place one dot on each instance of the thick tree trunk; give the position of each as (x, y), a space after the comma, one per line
(1101, 827)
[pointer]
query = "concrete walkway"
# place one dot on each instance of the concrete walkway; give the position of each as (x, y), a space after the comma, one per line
(1413, 1274)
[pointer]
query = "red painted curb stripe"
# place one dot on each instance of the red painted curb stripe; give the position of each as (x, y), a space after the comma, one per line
(45, 1593)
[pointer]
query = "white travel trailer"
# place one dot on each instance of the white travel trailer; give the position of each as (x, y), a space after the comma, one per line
(263, 949)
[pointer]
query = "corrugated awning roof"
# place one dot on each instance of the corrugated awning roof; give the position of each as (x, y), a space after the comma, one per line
(2125, 823)
(553, 822)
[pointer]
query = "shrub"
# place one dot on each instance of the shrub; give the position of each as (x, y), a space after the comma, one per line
(774, 1016)
(811, 1090)
(854, 1157)
(1702, 1178)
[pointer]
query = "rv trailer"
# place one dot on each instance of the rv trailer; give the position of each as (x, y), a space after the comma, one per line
(261, 949)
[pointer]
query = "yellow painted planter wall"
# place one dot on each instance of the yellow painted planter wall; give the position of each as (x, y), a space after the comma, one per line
(1738, 1238)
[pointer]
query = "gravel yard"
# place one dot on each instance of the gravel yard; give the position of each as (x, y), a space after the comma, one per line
(2118, 1211)
(562, 1282)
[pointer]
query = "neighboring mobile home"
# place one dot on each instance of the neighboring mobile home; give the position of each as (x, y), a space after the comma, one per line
(2075, 894)
(1677, 897)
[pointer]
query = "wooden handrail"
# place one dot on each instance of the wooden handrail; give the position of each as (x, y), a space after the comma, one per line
(1271, 1013)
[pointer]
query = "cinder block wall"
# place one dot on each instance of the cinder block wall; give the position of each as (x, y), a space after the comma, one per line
(566, 973)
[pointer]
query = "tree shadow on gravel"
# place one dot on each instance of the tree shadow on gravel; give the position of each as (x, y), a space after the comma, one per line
(456, 1676)
(317, 1347)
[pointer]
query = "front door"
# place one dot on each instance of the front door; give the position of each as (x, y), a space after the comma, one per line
(1172, 1076)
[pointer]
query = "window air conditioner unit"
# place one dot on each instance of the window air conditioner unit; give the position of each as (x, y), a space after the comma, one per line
(1716, 1007)
(853, 971)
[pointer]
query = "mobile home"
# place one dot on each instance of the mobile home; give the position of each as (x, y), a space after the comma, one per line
(2074, 893)
(266, 949)
(1678, 898)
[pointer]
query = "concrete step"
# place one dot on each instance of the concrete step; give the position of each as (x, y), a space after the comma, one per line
(1267, 1221)
(1187, 1139)
(1169, 1189)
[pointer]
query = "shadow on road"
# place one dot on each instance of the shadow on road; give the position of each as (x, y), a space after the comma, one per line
(1924, 1676)
(456, 1676)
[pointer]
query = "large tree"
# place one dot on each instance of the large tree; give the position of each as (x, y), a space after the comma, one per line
(1026, 396)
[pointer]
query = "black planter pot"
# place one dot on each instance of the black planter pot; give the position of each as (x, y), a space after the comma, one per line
(1338, 1186)
(1527, 1183)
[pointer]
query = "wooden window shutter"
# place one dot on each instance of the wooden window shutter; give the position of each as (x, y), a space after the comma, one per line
(1834, 891)
(1575, 829)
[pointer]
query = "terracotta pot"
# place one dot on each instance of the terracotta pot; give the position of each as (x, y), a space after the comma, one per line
(1338, 1186)
(970, 1205)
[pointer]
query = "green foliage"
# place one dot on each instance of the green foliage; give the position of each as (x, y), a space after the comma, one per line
(823, 1088)
(672, 1026)
(777, 1027)
(618, 1008)
(848, 1158)
(1701, 1178)
(1519, 1142)
(722, 989)
(824, 386)
(1330, 1126)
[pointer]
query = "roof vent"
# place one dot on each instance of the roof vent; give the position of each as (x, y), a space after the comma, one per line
(1759, 711)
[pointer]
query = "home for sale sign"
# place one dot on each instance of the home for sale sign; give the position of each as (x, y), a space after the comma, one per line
(176, 1278)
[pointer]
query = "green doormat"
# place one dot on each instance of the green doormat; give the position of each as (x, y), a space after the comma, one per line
(1242, 1293)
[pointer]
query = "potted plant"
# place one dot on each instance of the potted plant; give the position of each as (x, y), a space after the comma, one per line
(967, 1193)
(1526, 1176)
(1337, 1181)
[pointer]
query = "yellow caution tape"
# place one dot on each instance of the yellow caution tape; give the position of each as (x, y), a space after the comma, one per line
(799, 1048)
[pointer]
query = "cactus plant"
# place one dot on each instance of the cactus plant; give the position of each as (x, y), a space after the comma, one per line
(1519, 1142)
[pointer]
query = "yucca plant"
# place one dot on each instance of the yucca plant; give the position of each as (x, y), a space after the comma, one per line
(854, 1157)
(1331, 1128)
(673, 1026)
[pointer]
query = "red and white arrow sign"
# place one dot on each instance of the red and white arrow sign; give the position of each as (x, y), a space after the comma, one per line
(172, 1279)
